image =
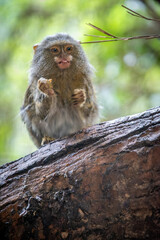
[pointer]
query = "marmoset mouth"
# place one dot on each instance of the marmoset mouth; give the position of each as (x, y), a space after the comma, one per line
(63, 63)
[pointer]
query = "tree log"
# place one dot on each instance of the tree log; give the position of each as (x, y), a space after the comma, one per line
(100, 183)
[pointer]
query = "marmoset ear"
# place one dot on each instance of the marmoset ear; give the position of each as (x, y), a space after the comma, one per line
(35, 47)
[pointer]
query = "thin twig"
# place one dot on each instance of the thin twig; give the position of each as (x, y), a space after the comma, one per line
(109, 35)
(135, 14)
(101, 30)
(152, 11)
(124, 39)
(89, 35)
(116, 38)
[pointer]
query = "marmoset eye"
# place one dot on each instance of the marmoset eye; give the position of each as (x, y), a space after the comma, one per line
(54, 49)
(68, 48)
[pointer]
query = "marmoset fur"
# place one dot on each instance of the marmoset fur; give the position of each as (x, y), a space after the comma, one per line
(60, 98)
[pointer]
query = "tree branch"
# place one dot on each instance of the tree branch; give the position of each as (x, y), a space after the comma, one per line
(101, 183)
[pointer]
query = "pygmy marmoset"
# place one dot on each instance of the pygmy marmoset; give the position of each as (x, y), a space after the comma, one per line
(60, 99)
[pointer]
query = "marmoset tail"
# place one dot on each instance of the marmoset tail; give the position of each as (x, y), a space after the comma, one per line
(60, 98)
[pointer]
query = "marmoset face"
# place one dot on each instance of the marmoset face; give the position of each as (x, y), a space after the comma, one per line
(62, 55)
(58, 53)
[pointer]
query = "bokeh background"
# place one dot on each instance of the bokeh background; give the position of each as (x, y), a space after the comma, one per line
(127, 78)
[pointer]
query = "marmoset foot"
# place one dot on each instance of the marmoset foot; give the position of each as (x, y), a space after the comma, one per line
(46, 140)
(45, 86)
(79, 97)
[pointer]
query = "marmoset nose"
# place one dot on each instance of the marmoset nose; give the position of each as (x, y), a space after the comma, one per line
(63, 54)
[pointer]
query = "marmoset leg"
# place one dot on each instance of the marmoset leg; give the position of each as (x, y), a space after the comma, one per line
(46, 140)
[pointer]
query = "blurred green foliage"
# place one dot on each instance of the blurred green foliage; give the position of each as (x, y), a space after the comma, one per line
(127, 73)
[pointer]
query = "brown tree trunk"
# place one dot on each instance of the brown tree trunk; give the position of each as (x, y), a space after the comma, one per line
(101, 183)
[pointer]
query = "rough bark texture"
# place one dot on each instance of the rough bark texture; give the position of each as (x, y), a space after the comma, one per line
(101, 183)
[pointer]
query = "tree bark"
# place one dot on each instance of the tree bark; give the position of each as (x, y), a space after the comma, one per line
(100, 183)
